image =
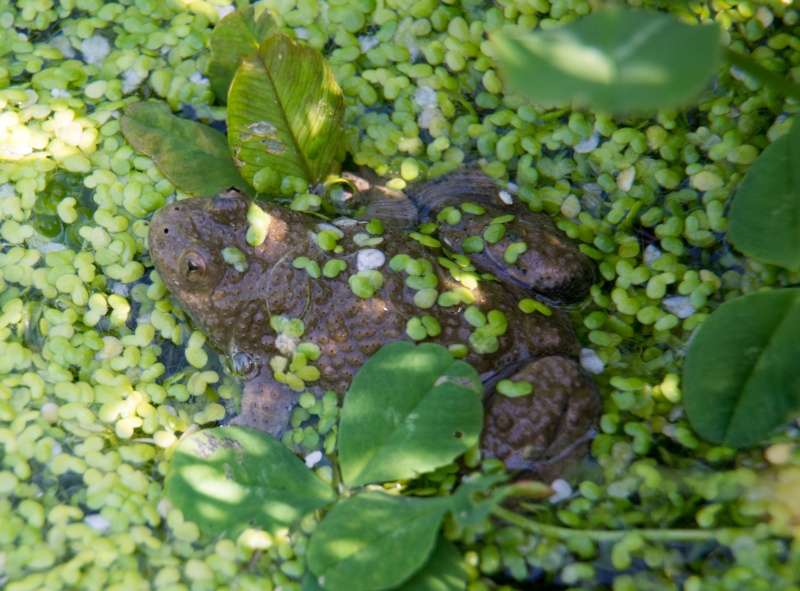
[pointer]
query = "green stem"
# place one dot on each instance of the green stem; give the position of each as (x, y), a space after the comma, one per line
(596, 535)
(767, 77)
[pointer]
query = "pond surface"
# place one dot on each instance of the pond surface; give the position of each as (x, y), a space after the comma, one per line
(100, 375)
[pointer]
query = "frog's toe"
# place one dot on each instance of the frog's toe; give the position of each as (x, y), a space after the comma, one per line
(266, 405)
(548, 430)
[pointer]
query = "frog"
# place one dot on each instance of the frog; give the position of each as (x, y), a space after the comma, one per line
(448, 260)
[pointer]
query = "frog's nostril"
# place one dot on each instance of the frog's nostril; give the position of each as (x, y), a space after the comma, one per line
(166, 230)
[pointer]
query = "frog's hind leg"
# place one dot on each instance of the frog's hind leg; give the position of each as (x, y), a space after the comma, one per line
(548, 430)
(519, 247)
(266, 405)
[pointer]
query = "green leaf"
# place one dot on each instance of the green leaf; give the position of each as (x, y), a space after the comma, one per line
(228, 479)
(444, 571)
(764, 220)
(374, 540)
(193, 156)
(740, 377)
(613, 59)
(235, 37)
(285, 112)
(409, 410)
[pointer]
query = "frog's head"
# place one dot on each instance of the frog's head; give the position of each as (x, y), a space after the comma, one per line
(200, 251)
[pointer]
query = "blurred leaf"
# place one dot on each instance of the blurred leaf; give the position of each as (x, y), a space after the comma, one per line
(444, 571)
(285, 113)
(741, 379)
(235, 37)
(193, 156)
(374, 540)
(764, 220)
(228, 479)
(615, 59)
(409, 410)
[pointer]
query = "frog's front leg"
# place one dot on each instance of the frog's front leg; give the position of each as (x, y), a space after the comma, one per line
(266, 404)
(549, 429)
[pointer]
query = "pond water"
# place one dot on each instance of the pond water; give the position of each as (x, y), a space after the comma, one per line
(100, 375)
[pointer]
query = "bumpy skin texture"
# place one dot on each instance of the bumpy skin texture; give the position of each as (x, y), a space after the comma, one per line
(539, 432)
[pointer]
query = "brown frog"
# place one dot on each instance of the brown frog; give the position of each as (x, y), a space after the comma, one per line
(456, 279)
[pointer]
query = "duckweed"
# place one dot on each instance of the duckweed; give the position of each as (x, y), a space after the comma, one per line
(98, 380)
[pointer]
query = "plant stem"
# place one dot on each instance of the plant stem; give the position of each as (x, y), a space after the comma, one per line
(767, 77)
(596, 535)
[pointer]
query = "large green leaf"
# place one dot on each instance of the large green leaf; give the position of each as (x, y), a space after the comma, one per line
(614, 59)
(764, 220)
(228, 479)
(444, 571)
(374, 541)
(285, 112)
(409, 410)
(195, 157)
(741, 377)
(235, 37)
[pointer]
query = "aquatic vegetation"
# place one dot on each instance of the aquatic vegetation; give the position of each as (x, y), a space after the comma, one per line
(95, 385)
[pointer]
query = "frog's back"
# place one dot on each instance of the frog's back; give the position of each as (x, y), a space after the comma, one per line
(422, 301)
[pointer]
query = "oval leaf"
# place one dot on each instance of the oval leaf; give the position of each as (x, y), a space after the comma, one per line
(193, 156)
(235, 37)
(409, 410)
(228, 479)
(764, 219)
(285, 112)
(374, 541)
(613, 59)
(741, 380)
(444, 571)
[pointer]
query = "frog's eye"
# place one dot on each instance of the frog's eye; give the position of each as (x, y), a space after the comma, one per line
(194, 267)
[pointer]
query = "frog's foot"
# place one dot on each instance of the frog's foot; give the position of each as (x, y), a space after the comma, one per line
(266, 405)
(548, 430)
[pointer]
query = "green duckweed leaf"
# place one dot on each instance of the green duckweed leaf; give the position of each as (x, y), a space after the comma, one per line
(764, 220)
(235, 37)
(740, 377)
(193, 156)
(228, 479)
(444, 571)
(614, 59)
(374, 540)
(409, 410)
(285, 112)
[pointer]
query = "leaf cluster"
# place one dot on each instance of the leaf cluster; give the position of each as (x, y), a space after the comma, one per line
(740, 377)
(285, 116)
(410, 409)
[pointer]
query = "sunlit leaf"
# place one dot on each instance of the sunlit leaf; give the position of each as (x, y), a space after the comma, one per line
(193, 156)
(444, 571)
(285, 112)
(228, 479)
(764, 220)
(741, 378)
(409, 410)
(235, 37)
(615, 59)
(374, 540)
